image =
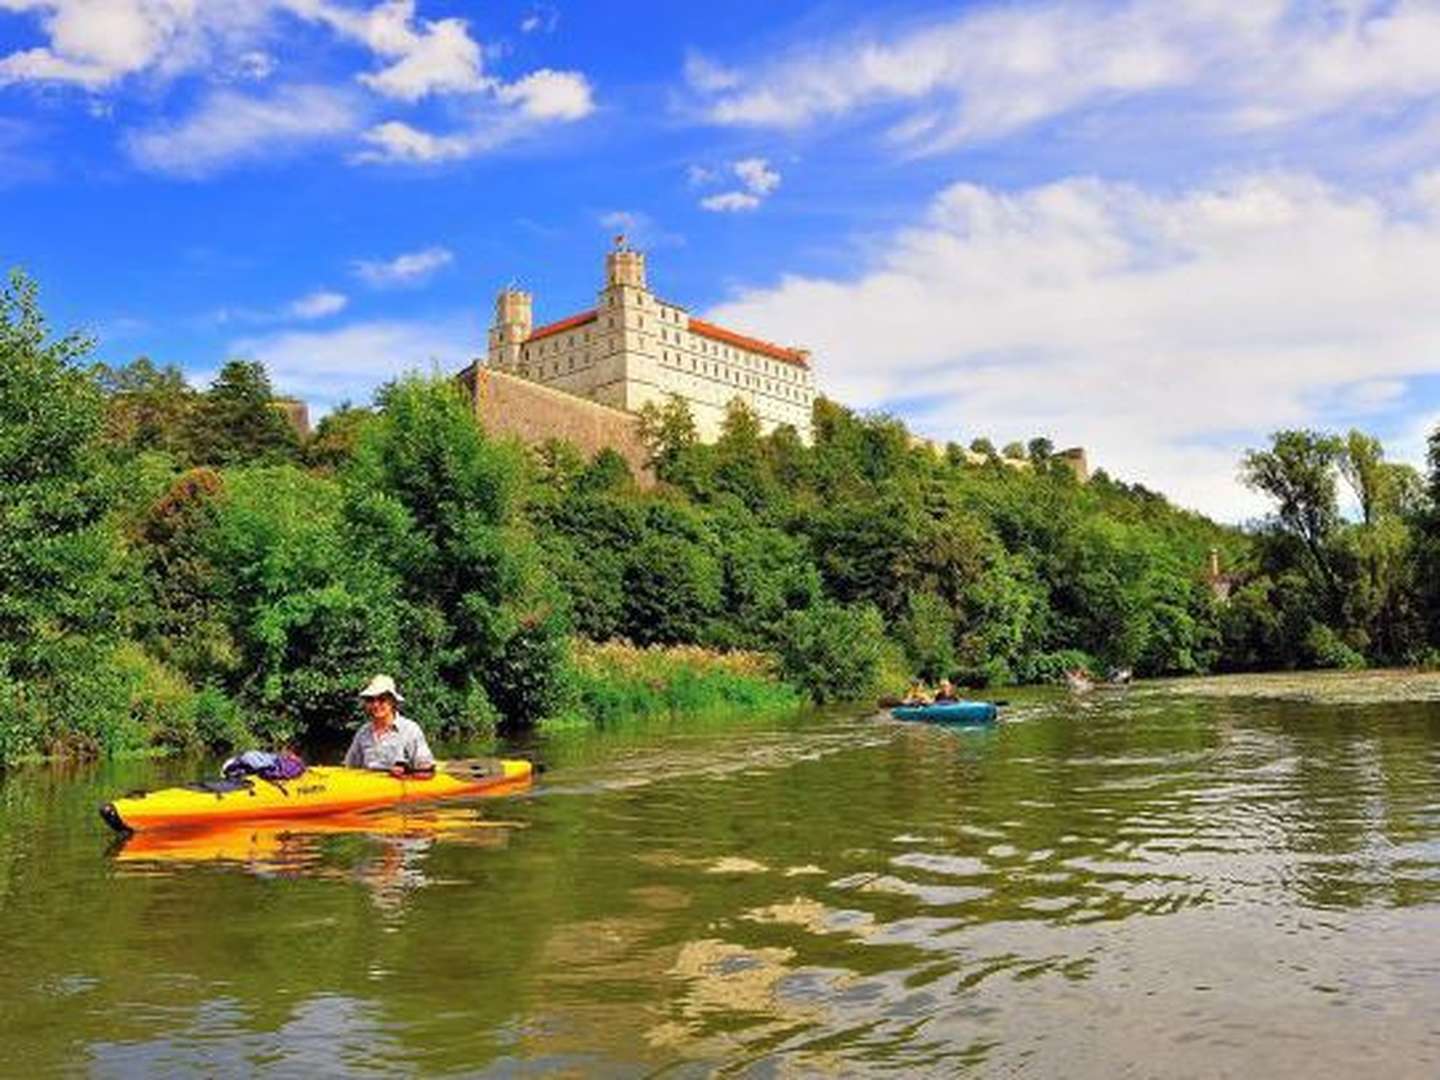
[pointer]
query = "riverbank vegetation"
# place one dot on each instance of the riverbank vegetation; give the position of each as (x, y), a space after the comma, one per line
(615, 682)
(179, 568)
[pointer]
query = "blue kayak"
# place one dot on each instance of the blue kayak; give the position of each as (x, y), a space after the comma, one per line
(948, 712)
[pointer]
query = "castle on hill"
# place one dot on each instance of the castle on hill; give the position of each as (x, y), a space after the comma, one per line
(583, 379)
(634, 349)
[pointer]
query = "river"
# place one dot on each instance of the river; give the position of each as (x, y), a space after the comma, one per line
(1135, 884)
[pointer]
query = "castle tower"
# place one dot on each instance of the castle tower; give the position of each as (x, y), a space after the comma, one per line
(630, 315)
(513, 323)
(624, 266)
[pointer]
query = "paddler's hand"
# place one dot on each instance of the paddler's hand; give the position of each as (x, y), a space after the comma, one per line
(399, 772)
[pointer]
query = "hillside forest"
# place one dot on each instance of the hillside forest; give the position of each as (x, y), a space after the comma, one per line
(178, 568)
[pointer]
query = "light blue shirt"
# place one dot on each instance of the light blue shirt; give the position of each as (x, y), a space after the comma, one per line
(402, 744)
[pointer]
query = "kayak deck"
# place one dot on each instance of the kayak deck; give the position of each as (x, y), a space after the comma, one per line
(321, 790)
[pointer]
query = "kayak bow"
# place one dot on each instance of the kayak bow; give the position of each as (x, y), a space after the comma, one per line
(322, 789)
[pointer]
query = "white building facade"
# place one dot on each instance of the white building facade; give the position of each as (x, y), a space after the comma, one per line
(633, 349)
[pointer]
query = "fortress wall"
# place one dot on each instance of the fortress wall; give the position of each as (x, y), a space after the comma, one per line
(509, 405)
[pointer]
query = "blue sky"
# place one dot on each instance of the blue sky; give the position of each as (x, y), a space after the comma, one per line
(1159, 229)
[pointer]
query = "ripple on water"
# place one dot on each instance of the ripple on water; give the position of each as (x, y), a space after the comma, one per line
(1125, 889)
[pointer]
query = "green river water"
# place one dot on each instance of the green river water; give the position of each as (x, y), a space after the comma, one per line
(1138, 884)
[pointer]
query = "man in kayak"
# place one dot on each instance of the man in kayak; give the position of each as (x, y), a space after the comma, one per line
(389, 742)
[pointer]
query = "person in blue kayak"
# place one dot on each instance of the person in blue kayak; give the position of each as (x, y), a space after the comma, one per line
(918, 694)
(946, 692)
(389, 742)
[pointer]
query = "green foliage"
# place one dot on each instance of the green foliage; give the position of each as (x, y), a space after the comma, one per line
(614, 684)
(435, 503)
(333, 443)
(607, 472)
(835, 652)
(1324, 649)
(236, 421)
(147, 408)
(672, 588)
(62, 585)
(244, 585)
(928, 634)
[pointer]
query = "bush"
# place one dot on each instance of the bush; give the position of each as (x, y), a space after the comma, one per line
(1050, 667)
(219, 724)
(162, 703)
(834, 652)
(1324, 649)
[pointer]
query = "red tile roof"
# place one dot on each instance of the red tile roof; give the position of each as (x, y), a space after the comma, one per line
(563, 325)
(797, 357)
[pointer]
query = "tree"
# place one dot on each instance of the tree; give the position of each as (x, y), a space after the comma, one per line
(668, 431)
(927, 631)
(607, 471)
(237, 421)
(1362, 462)
(147, 408)
(1298, 473)
(739, 455)
(1040, 451)
(430, 497)
(834, 652)
(1014, 451)
(983, 446)
(333, 442)
(61, 586)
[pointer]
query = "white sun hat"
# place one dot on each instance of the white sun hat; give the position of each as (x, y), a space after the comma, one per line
(381, 685)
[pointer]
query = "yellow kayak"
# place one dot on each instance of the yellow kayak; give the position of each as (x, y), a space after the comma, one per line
(322, 789)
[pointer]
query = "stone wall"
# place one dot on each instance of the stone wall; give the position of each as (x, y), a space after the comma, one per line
(507, 405)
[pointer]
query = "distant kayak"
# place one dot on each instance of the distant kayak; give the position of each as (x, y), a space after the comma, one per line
(949, 712)
(320, 790)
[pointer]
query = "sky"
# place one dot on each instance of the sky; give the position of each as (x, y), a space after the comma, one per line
(1159, 229)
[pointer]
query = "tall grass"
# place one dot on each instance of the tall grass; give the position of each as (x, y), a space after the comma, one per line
(615, 682)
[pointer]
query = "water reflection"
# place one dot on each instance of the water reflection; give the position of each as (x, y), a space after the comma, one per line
(385, 852)
(1145, 886)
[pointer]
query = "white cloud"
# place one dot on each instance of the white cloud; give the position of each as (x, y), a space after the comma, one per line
(396, 142)
(757, 180)
(995, 70)
(707, 76)
(551, 95)
(411, 268)
(95, 43)
(540, 20)
(699, 175)
(229, 127)
(757, 176)
(730, 202)
(424, 57)
(520, 109)
(318, 304)
(326, 367)
(1165, 333)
